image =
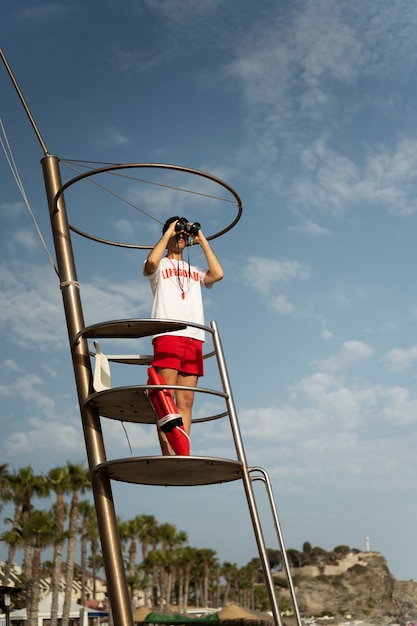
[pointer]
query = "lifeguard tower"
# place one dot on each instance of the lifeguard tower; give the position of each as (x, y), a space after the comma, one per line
(99, 400)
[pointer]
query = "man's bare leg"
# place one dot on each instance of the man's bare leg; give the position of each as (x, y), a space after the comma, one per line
(183, 399)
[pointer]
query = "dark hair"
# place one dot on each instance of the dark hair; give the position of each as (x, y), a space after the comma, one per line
(168, 222)
(172, 219)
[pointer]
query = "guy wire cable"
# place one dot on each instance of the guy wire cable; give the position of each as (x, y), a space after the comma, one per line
(23, 101)
(13, 167)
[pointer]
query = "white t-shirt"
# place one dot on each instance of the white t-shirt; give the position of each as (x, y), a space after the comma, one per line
(176, 287)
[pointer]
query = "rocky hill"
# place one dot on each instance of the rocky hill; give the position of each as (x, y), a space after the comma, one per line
(356, 587)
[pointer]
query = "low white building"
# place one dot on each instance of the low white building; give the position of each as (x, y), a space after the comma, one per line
(79, 615)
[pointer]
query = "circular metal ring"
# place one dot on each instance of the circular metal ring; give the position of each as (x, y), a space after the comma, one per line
(119, 166)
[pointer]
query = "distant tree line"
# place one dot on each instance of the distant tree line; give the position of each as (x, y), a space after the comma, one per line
(158, 560)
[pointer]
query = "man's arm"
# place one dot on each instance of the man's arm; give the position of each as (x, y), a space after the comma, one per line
(158, 251)
(215, 270)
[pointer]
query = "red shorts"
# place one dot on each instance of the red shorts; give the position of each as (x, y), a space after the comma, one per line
(179, 353)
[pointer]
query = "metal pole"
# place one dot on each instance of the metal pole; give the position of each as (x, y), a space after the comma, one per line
(106, 515)
(23, 101)
(246, 478)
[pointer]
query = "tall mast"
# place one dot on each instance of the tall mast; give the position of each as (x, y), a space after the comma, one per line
(106, 515)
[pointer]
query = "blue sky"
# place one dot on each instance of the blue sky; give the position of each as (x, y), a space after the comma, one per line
(307, 109)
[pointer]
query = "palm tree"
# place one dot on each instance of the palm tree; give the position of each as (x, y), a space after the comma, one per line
(216, 585)
(150, 537)
(145, 529)
(229, 572)
(38, 531)
(129, 532)
(208, 559)
(24, 485)
(30, 485)
(190, 560)
(248, 575)
(79, 481)
(154, 563)
(148, 534)
(184, 557)
(196, 576)
(5, 496)
(87, 512)
(58, 483)
(13, 538)
(94, 559)
(170, 539)
(4, 481)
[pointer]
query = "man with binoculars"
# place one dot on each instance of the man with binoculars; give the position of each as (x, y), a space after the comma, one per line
(176, 286)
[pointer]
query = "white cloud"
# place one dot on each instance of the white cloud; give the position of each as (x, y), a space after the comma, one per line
(388, 327)
(123, 228)
(400, 407)
(322, 446)
(30, 303)
(32, 308)
(315, 43)
(311, 229)
(11, 210)
(326, 43)
(27, 240)
(264, 274)
(327, 334)
(34, 391)
(300, 74)
(40, 435)
(398, 359)
(391, 178)
(123, 436)
(332, 183)
(281, 305)
(10, 365)
(333, 399)
(340, 296)
(350, 353)
(105, 301)
(334, 431)
(112, 136)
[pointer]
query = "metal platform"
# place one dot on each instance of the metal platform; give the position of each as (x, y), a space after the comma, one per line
(172, 471)
(129, 329)
(131, 404)
(127, 404)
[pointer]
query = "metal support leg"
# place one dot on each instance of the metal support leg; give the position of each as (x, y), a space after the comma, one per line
(265, 479)
(106, 517)
(246, 478)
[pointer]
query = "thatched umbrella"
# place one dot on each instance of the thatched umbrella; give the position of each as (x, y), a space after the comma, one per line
(141, 613)
(234, 611)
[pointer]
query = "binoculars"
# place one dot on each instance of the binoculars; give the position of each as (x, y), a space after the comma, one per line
(191, 229)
